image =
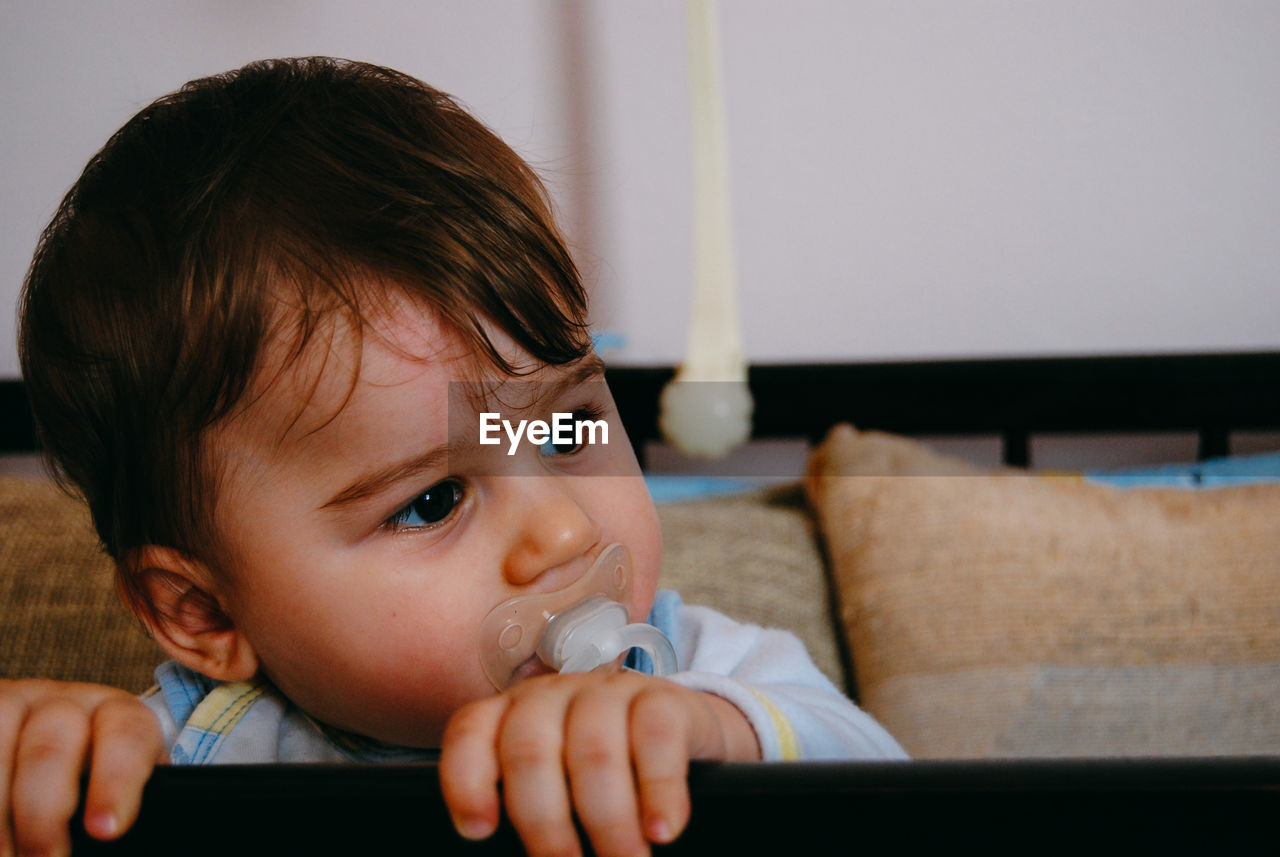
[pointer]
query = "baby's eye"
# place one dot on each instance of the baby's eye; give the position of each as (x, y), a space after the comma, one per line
(551, 448)
(429, 508)
(572, 432)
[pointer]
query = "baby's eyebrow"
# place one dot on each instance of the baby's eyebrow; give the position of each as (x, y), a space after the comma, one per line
(591, 368)
(374, 483)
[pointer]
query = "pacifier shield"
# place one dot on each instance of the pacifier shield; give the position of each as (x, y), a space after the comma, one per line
(510, 634)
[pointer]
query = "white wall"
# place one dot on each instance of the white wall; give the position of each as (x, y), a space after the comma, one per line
(911, 178)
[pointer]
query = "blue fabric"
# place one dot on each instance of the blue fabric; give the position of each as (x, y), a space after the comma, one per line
(662, 615)
(182, 688)
(1214, 473)
(675, 489)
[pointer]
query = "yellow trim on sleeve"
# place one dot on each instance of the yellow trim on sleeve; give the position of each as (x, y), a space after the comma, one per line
(788, 744)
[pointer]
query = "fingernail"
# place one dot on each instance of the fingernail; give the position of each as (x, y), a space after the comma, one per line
(660, 831)
(102, 825)
(472, 828)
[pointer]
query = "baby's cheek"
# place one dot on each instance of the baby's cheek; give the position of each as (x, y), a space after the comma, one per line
(653, 535)
(646, 558)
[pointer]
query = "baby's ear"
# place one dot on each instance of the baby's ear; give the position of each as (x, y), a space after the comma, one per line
(181, 609)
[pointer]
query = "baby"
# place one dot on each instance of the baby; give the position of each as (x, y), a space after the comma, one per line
(259, 337)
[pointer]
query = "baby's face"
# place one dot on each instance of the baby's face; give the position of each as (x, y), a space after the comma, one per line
(364, 545)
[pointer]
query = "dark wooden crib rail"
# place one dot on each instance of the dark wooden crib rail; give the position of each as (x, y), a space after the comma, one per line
(1125, 806)
(1210, 394)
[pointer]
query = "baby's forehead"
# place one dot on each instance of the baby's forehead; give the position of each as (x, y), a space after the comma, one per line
(345, 362)
(312, 369)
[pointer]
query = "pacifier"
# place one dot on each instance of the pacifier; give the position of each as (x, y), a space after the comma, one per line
(575, 629)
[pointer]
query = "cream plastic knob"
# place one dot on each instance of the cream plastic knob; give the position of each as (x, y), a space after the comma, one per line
(705, 419)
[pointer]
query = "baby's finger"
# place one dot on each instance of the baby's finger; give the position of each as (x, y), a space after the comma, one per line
(660, 739)
(46, 778)
(530, 751)
(598, 760)
(127, 744)
(469, 769)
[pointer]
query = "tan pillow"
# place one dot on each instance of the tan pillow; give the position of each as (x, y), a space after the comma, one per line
(61, 617)
(1016, 615)
(755, 558)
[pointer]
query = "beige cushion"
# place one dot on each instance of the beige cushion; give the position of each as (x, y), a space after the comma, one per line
(754, 557)
(61, 617)
(1016, 615)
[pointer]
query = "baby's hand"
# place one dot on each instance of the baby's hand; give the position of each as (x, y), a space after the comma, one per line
(49, 732)
(614, 748)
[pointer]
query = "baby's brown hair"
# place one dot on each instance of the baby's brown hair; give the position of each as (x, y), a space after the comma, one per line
(267, 196)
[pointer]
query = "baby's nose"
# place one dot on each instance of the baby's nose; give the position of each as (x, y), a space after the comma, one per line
(555, 530)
